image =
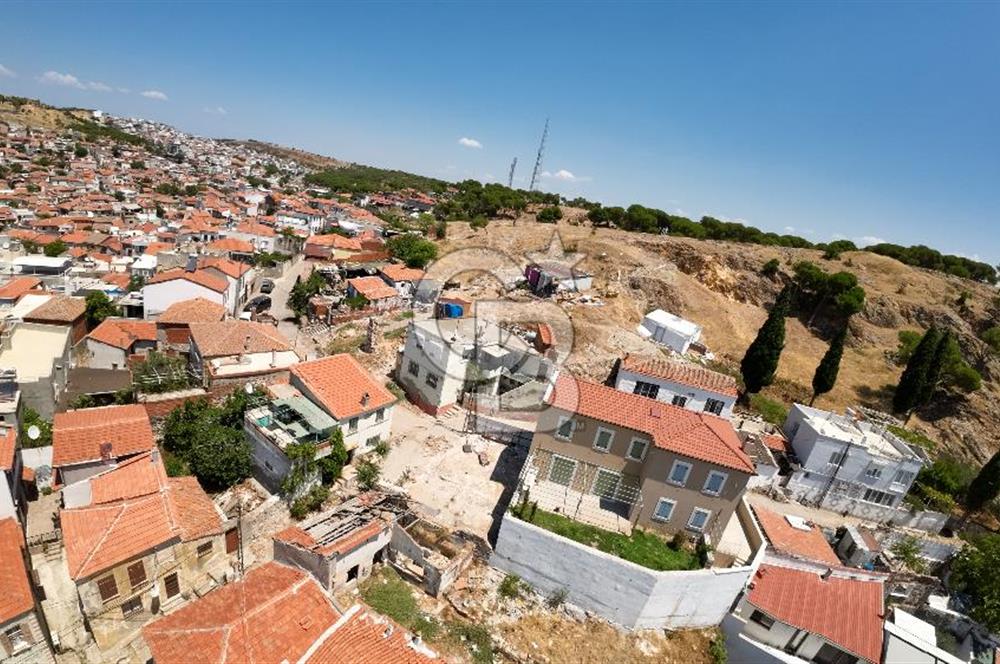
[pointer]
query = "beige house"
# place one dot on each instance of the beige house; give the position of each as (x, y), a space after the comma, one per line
(23, 639)
(643, 462)
(139, 544)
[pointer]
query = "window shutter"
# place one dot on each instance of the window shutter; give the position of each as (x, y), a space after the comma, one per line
(108, 588)
(5, 644)
(136, 574)
(26, 633)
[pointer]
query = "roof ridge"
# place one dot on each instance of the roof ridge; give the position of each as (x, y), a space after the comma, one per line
(121, 510)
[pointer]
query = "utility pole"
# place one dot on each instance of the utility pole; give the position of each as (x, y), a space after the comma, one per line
(510, 176)
(538, 158)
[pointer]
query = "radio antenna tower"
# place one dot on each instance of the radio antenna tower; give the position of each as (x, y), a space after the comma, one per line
(510, 176)
(538, 159)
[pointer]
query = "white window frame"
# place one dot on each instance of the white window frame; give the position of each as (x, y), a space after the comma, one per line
(656, 508)
(687, 474)
(597, 437)
(646, 387)
(559, 425)
(874, 472)
(725, 478)
(552, 465)
(910, 476)
(708, 517)
(642, 455)
(17, 638)
(618, 483)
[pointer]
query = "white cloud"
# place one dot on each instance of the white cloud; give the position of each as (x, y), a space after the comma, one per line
(124, 91)
(789, 229)
(154, 94)
(66, 80)
(866, 240)
(9, 73)
(217, 110)
(470, 143)
(561, 174)
(98, 86)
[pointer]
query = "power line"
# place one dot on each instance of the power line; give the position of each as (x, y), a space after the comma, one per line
(538, 158)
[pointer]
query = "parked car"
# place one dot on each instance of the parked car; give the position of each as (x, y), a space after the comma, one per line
(258, 304)
(266, 286)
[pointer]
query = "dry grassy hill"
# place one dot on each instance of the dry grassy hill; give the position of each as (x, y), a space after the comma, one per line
(719, 285)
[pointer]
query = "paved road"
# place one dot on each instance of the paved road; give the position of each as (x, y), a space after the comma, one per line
(279, 299)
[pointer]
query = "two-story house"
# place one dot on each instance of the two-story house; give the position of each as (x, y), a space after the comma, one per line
(656, 465)
(848, 462)
(85, 441)
(138, 544)
(239, 350)
(23, 639)
(683, 384)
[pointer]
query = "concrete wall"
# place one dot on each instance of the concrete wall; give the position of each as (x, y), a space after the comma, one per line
(270, 465)
(696, 397)
(431, 355)
(621, 591)
(104, 356)
(158, 297)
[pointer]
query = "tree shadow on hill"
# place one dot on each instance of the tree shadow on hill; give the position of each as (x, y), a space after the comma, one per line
(944, 404)
(879, 398)
(506, 472)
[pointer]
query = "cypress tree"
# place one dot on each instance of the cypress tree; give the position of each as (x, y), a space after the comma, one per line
(761, 360)
(912, 384)
(935, 369)
(826, 373)
(985, 487)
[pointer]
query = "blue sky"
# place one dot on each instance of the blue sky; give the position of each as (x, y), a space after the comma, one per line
(846, 120)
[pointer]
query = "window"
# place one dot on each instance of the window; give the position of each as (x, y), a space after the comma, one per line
(637, 449)
(699, 519)
(136, 574)
(679, 400)
(232, 540)
(603, 439)
(644, 389)
(606, 483)
(664, 508)
(879, 497)
(352, 424)
(762, 619)
(714, 406)
(18, 638)
(171, 585)
(875, 473)
(413, 368)
(565, 428)
(714, 482)
(836, 458)
(108, 588)
(380, 414)
(204, 549)
(679, 473)
(903, 477)
(562, 470)
(132, 606)
(432, 380)
(828, 654)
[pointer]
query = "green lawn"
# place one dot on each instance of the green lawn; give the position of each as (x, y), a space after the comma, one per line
(641, 548)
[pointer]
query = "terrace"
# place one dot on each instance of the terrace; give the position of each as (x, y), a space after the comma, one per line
(290, 419)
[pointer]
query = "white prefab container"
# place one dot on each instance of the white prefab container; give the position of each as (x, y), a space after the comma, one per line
(669, 330)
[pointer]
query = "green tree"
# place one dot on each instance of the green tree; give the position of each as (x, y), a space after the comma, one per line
(302, 462)
(771, 268)
(549, 215)
(985, 486)
(80, 151)
(99, 307)
(976, 572)
(135, 283)
(219, 457)
(368, 474)
(826, 373)
(182, 424)
(936, 367)
(30, 418)
(912, 382)
(302, 291)
(55, 248)
(413, 250)
(992, 338)
(761, 360)
(908, 552)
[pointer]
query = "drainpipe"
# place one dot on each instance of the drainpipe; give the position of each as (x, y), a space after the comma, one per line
(836, 471)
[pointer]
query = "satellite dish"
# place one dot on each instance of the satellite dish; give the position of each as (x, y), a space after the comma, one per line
(248, 388)
(34, 432)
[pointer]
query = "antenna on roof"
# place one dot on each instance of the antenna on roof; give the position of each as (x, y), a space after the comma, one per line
(538, 159)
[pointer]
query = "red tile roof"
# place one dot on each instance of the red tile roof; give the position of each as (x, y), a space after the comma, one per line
(776, 442)
(77, 435)
(372, 288)
(229, 244)
(8, 445)
(16, 598)
(232, 337)
(692, 434)
(200, 277)
(154, 248)
(684, 373)
(123, 333)
(230, 268)
(119, 279)
(18, 286)
(340, 384)
(366, 637)
(344, 544)
(334, 241)
(250, 228)
(398, 272)
(787, 539)
(59, 309)
(846, 612)
(273, 615)
(197, 310)
(134, 508)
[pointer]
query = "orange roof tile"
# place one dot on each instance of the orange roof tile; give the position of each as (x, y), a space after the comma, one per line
(684, 373)
(692, 434)
(372, 288)
(200, 277)
(366, 637)
(231, 244)
(846, 612)
(776, 442)
(119, 279)
(787, 539)
(273, 615)
(255, 229)
(154, 248)
(334, 241)
(230, 268)
(77, 435)
(197, 310)
(232, 337)
(340, 384)
(18, 286)
(16, 598)
(59, 309)
(398, 272)
(123, 333)
(8, 445)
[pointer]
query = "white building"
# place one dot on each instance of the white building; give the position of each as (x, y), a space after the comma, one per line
(910, 640)
(669, 330)
(679, 383)
(179, 284)
(849, 463)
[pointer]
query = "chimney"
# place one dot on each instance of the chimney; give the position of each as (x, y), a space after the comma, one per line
(827, 574)
(246, 344)
(365, 398)
(106, 453)
(192, 263)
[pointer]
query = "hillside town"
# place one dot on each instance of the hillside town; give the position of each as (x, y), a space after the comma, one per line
(245, 417)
